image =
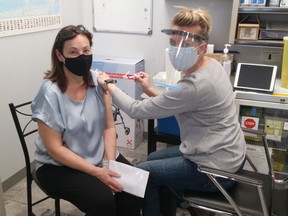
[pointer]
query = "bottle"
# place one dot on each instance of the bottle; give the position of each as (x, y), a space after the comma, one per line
(226, 60)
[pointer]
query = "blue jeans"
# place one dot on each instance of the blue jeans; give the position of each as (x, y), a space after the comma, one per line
(170, 169)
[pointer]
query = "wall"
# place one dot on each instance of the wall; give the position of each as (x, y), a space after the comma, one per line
(253, 55)
(24, 59)
(151, 47)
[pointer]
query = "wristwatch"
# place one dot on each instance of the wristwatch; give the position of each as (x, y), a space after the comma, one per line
(107, 81)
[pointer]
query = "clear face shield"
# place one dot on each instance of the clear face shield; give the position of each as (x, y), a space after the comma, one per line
(183, 48)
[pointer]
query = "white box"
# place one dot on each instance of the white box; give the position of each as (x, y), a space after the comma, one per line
(129, 131)
(283, 3)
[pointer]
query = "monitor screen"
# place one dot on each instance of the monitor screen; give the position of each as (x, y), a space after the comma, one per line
(255, 77)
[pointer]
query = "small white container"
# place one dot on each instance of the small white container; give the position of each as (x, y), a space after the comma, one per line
(244, 2)
(253, 2)
(284, 3)
(274, 3)
(160, 77)
(210, 48)
(261, 3)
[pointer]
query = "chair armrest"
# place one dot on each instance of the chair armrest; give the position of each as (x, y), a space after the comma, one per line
(229, 175)
(281, 184)
(257, 132)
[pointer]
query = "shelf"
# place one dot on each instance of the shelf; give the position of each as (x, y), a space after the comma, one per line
(264, 15)
(264, 10)
(265, 43)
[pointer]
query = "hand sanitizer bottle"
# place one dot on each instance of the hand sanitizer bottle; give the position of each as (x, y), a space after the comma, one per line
(226, 60)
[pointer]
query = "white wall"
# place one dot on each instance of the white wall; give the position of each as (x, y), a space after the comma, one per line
(25, 58)
(151, 47)
(23, 61)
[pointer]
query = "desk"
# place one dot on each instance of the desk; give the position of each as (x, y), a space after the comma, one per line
(154, 137)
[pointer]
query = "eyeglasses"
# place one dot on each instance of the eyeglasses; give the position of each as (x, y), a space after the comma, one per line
(69, 32)
(188, 36)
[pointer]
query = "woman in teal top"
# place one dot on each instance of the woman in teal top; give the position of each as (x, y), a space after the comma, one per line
(77, 131)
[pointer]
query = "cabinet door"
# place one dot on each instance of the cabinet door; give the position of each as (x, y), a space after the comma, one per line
(272, 118)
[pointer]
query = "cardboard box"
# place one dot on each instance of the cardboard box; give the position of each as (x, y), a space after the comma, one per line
(129, 131)
(216, 56)
(247, 31)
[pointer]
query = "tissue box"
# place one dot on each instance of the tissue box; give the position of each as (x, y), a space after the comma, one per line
(168, 125)
(129, 131)
(160, 77)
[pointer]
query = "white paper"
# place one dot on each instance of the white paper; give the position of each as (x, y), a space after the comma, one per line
(285, 126)
(258, 156)
(133, 179)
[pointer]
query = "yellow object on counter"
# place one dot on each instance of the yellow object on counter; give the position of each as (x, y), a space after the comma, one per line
(280, 94)
(278, 159)
(284, 73)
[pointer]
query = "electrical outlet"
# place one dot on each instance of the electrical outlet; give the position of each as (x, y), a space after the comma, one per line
(270, 56)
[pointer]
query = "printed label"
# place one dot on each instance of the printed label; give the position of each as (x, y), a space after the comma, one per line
(250, 122)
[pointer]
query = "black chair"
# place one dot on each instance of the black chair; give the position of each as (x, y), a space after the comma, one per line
(250, 195)
(25, 127)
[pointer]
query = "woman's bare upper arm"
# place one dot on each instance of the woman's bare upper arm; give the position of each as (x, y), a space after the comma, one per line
(109, 112)
(51, 138)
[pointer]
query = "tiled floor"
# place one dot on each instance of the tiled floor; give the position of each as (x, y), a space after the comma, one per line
(15, 197)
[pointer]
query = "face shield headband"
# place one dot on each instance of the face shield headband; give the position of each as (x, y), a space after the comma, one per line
(184, 34)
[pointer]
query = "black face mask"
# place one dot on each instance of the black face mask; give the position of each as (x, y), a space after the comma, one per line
(80, 65)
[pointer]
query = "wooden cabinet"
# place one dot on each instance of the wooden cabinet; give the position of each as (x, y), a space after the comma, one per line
(273, 24)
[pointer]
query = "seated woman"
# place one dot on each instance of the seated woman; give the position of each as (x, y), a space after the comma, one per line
(77, 132)
(203, 104)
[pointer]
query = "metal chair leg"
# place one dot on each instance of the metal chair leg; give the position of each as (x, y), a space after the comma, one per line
(29, 196)
(57, 207)
(198, 212)
(192, 211)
